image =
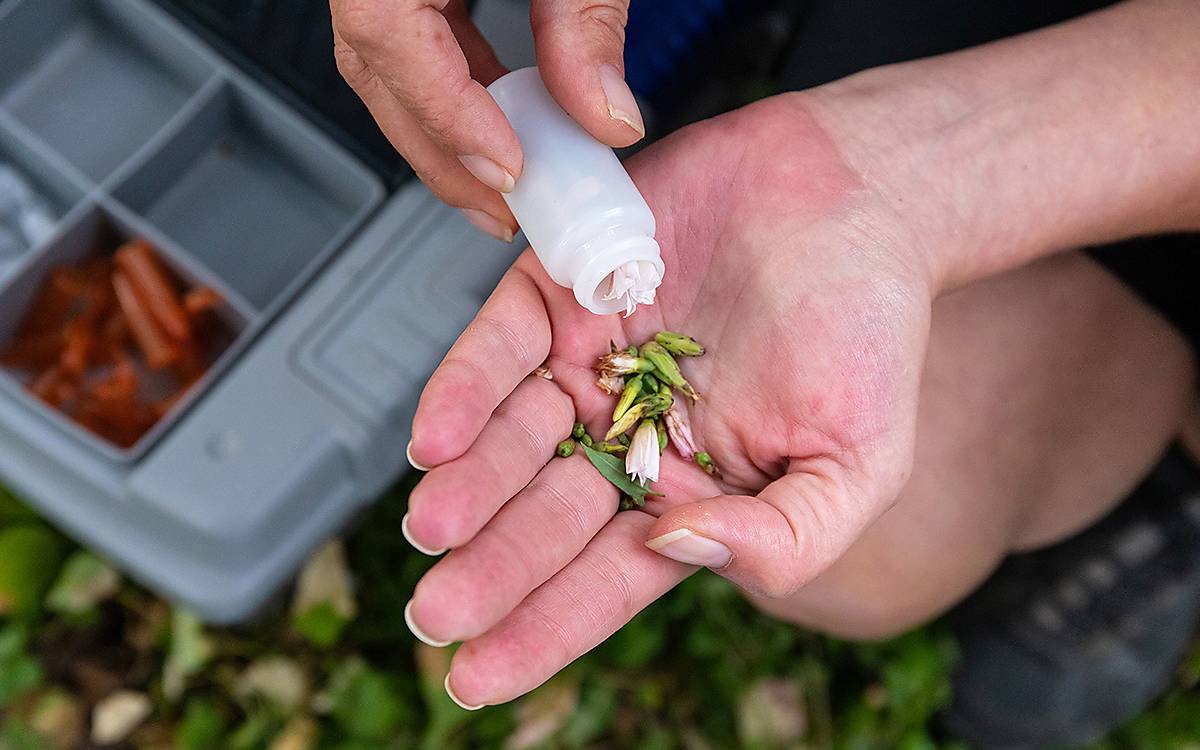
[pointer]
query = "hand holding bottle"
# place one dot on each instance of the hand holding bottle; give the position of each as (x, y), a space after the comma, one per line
(421, 67)
(809, 397)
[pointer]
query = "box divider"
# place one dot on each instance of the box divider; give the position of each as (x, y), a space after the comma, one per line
(196, 104)
(43, 151)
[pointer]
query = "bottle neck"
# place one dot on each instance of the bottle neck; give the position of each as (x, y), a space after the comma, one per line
(589, 269)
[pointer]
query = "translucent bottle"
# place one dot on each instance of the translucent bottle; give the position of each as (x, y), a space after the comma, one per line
(584, 217)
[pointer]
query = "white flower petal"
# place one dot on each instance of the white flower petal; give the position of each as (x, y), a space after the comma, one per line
(642, 458)
(634, 283)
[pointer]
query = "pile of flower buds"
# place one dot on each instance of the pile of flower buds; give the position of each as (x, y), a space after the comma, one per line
(647, 381)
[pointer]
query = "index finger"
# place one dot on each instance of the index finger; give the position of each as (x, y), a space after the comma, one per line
(412, 48)
(612, 580)
(509, 338)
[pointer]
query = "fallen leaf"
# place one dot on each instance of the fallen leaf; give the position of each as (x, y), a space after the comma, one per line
(301, 733)
(189, 651)
(115, 717)
(544, 712)
(433, 664)
(326, 579)
(771, 713)
(58, 717)
(84, 582)
(278, 680)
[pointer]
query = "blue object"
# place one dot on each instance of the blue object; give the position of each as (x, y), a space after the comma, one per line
(663, 36)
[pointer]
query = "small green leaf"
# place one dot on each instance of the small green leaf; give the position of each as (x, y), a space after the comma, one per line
(19, 672)
(321, 625)
(30, 556)
(201, 728)
(367, 704)
(14, 735)
(13, 510)
(612, 468)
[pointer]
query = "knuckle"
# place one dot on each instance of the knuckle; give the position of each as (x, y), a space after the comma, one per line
(564, 506)
(358, 21)
(473, 379)
(557, 632)
(605, 20)
(517, 422)
(594, 23)
(441, 110)
(513, 341)
(351, 66)
(619, 586)
(610, 16)
(448, 190)
(778, 585)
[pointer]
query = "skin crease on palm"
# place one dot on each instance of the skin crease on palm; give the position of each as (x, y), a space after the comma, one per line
(813, 432)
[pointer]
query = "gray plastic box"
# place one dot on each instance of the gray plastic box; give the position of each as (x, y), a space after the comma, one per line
(338, 303)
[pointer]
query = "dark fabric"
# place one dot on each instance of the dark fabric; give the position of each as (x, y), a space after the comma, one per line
(836, 38)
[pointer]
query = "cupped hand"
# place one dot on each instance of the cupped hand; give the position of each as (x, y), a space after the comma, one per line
(420, 66)
(807, 294)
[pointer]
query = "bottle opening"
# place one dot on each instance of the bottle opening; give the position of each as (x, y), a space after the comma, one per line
(632, 284)
(611, 275)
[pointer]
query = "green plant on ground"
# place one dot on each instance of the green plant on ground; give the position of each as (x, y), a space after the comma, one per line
(85, 656)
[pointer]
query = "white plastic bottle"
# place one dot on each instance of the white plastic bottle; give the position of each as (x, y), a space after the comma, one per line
(584, 217)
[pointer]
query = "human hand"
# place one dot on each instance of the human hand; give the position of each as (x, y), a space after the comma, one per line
(421, 67)
(801, 284)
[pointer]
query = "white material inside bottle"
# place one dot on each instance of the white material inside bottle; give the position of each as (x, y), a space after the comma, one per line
(584, 217)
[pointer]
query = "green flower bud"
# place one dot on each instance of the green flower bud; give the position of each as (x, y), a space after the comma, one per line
(657, 404)
(677, 343)
(707, 464)
(587, 440)
(565, 448)
(578, 431)
(607, 447)
(623, 439)
(666, 369)
(633, 388)
(631, 417)
(662, 436)
(650, 384)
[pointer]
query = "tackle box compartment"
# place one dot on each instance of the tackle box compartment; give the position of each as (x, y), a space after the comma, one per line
(339, 300)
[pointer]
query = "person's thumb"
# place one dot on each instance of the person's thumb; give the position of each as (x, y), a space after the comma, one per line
(770, 545)
(580, 53)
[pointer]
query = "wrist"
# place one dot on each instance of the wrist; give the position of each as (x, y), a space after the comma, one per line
(1071, 136)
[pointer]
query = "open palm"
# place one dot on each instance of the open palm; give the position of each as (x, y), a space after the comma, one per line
(788, 268)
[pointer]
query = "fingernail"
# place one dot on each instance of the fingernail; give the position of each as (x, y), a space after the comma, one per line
(420, 634)
(488, 224)
(413, 461)
(417, 545)
(686, 546)
(621, 104)
(458, 701)
(489, 173)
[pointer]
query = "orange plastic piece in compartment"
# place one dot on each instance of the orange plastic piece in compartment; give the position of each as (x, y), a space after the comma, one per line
(94, 329)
